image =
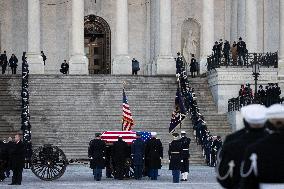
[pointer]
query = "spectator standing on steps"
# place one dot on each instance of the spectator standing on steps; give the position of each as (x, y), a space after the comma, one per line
(4, 62)
(135, 66)
(13, 61)
(43, 57)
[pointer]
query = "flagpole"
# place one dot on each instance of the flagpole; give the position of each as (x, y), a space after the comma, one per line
(123, 88)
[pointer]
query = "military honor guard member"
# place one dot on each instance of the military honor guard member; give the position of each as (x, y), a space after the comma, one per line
(175, 157)
(263, 165)
(119, 155)
(228, 167)
(185, 141)
(137, 154)
(96, 152)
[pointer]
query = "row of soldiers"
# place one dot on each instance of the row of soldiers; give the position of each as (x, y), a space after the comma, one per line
(145, 157)
(269, 95)
(252, 157)
(12, 157)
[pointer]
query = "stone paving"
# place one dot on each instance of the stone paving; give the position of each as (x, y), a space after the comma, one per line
(80, 176)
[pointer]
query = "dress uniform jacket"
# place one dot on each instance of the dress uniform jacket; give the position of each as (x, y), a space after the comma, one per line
(137, 151)
(97, 151)
(175, 150)
(185, 153)
(234, 151)
(269, 165)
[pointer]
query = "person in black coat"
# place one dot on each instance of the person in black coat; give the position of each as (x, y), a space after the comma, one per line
(154, 154)
(185, 141)
(228, 167)
(43, 57)
(137, 154)
(226, 52)
(96, 152)
(119, 154)
(263, 160)
(3, 160)
(13, 61)
(17, 160)
(241, 50)
(135, 66)
(4, 62)
(64, 67)
(175, 157)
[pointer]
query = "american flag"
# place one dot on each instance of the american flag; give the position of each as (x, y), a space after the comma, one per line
(144, 135)
(127, 120)
(112, 136)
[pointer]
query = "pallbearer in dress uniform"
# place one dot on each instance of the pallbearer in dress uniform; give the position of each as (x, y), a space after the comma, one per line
(97, 154)
(137, 154)
(185, 141)
(175, 150)
(263, 166)
(119, 155)
(228, 168)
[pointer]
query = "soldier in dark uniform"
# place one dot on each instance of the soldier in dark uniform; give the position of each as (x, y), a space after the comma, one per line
(64, 67)
(96, 152)
(13, 61)
(217, 144)
(179, 63)
(17, 160)
(175, 157)
(261, 94)
(119, 154)
(154, 154)
(263, 161)
(228, 167)
(185, 141)
(4, 62)
(137, 154)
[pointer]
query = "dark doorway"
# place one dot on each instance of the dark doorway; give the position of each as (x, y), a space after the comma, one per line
(97, 44)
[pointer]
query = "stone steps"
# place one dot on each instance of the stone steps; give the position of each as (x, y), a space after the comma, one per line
(68, 110)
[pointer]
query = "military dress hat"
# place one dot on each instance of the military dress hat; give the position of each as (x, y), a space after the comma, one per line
(153, 134)
(98, 134)
(175, 134)
(182, 132)
(275, 111)
(254, 114)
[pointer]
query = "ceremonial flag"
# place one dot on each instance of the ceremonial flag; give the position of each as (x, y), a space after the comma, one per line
(112, 136)
(179, 113)
(127, 120)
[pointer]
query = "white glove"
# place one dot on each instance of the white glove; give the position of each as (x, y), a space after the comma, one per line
(181, 161)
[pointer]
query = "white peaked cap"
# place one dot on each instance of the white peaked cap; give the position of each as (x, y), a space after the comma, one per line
(275, 111)
(254, 114)
(183, 132)
(153, 133)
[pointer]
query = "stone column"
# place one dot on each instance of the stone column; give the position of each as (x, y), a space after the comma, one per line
(251, 25)
(78, 63)
(122, 62)
(33, 55)
(207, 32)
(281, 44)
(165, 60)
(241, 18)
(234, 21)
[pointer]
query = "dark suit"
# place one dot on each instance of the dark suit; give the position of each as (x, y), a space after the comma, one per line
(17, 162)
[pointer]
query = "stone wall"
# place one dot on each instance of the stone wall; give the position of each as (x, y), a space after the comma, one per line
(225, 83)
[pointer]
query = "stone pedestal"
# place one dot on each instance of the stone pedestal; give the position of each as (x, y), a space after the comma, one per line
(78, 64)
(166, 65)
(121, 65)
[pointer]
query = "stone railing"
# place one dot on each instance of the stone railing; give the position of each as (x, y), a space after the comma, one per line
(262, 59)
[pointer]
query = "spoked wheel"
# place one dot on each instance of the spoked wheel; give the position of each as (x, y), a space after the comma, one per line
(48, 162)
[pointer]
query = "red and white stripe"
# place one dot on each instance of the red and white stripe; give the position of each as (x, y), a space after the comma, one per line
(128, 121)
(112, 136)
